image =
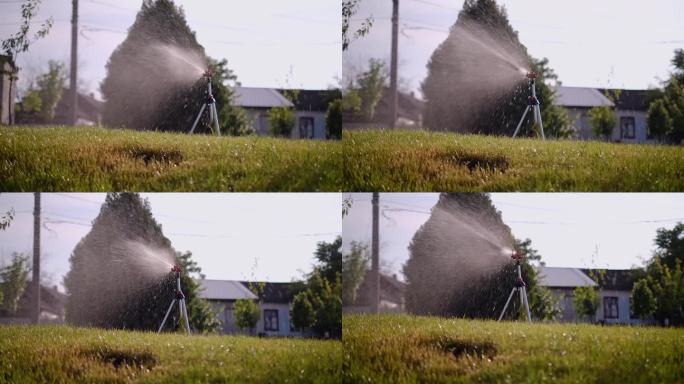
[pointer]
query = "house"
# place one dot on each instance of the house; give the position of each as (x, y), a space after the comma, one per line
(89, 111)
(6, 99)
(614, 293)
(630, 106)
(391, 295)
(310, 107)
(52, 306)
(409, 113)
(274, 306)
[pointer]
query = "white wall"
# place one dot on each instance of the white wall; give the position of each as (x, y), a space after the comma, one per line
(283, 320)
(259, 118)
(623, 308)
(224, 311)
(580, 120)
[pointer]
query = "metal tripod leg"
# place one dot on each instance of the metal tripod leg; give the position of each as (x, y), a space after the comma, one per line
(167, 315)
(184, 315)
(216, 120)
(507, 302)
(526, 305)
(521, 121)
(537, 117)
(199, 115)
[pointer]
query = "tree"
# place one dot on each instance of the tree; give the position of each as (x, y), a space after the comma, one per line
(120, 272)
(13, 282)
(50, 87)
(349, 9)
(31, 101)
(369, 87)
(154, 77)
(658, 120)
(665, 277)
(470, 89)
(459, 263)
(246, 314)
(6, 219)
(602, 120)
(586, 301)
(323, 291)
(666, 112)
(303, 313)
(21, 41)
(643, 300)
(354, 266)
(333, 120)
(281, 120)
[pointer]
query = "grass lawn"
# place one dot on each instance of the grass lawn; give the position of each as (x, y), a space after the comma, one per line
(97, 159)
(60, 354)
(408, 349)
(444, 162)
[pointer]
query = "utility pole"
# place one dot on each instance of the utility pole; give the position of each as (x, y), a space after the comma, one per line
(394, 97)
(74, 62)
(375, 263)
(36, 258)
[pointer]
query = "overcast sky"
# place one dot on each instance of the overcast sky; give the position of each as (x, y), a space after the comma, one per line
(606, 230)
(264, 236)
(607, 43)
(268, 43)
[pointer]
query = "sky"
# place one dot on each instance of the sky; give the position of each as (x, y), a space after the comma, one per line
(261, 236)
(609, 43)
(268, 43)
(582, 230)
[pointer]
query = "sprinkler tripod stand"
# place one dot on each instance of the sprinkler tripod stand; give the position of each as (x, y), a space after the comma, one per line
(520, 287)
(211, 102)
(533, 104)
(180, 298)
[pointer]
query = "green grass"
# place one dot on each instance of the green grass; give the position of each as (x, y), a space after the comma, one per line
(60, 354)
(408, 349)
(98, 159)
(443, 162)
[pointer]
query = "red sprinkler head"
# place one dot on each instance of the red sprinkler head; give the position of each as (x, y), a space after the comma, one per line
(532, 75)
(517, 256)
(176, 268)
(208, 74)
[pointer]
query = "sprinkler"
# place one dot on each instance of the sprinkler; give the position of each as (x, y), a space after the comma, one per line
(180, 298)
(533, 104)
(211, 102)
(519, 286)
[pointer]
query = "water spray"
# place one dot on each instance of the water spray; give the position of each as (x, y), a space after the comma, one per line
(211, 102)
(533, 104)
(519, 286)
(180, 298)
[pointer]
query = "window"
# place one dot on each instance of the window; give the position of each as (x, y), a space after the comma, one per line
(631, 309)
(610, 307)
(627, 127)
(271, 320)
(306, 127)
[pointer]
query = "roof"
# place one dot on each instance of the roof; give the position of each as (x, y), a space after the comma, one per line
(391, 290)
(617, 279)
(260, 98)
(281, 293)
(628, 99)
(51, 300)
(564, 278)
(581, 97)
(313, 99)
(224, 290)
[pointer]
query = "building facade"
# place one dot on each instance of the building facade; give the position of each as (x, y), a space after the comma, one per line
(614, 291)
(274, 306)
(630, 106)
(6, 95)
(309, 107)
